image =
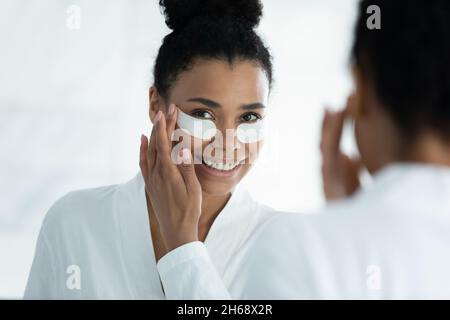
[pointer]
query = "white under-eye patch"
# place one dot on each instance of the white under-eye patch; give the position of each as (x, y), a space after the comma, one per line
(251, 132)
(206, 129)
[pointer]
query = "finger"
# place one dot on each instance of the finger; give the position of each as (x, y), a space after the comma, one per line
(357, 164)
(143, 164)
(162, 144)
(333, 132)
(351, 107)
(325, 120)
(171, 120)
(151, 152)
(187, 170)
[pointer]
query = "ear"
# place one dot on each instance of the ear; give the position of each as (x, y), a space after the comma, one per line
(156, 102)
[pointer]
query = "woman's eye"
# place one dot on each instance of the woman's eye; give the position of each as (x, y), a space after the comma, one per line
(251, 117)
(202, 114)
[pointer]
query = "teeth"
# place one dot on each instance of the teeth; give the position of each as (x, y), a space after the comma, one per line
(222, 166)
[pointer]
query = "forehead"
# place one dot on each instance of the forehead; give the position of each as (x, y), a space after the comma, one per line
(237, 83)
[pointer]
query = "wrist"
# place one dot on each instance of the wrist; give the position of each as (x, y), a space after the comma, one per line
(179, 241)
(179, 237)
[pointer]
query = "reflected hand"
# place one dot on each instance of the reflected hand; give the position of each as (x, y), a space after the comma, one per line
(174, 190)
(340, 172)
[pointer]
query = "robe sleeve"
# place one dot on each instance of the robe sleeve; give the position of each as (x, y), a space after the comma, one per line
(187, 273)
(276, 266)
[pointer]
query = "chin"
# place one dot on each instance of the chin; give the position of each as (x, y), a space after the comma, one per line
(216, 191)
(216, 188)
(219, 181)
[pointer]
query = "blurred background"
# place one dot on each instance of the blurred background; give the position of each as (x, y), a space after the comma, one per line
(74, 78)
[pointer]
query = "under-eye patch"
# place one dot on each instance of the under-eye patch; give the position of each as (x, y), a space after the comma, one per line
(206, 129)
(251, 132)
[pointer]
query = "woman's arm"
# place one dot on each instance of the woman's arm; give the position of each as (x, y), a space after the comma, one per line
(173, 190)
(175, 194)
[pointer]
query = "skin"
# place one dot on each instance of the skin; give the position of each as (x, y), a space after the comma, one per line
(378, 138)
(212, 89)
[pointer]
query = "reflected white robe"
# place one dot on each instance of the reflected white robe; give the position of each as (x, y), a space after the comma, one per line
(96, 244)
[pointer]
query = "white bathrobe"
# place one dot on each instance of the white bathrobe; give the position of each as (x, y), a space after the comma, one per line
(389, 241)
(96, 243)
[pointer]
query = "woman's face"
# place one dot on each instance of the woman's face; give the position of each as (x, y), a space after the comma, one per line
(228, 95)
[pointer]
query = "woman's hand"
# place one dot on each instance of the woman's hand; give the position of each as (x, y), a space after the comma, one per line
(173, 190)
(340, 173)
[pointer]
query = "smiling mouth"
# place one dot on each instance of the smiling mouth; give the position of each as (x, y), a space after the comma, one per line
(220, 170)
(222, 166)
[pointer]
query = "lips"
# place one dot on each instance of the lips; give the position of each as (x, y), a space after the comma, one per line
(226, 169)
(222, 166)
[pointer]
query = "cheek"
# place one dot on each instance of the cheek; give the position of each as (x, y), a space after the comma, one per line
(199, 147)
(252, 150)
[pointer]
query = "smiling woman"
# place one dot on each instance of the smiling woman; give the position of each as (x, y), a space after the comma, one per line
(211, 69)
(221, 93)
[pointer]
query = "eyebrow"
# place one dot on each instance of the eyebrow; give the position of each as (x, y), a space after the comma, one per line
(253, 106)
(206, 102)
(214, 104)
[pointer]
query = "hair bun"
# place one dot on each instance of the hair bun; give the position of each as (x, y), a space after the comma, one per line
(179, 13)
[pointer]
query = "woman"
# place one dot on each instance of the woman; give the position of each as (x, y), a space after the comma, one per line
(212, 69)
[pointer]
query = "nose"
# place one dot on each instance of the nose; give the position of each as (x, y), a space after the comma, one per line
(226, 138)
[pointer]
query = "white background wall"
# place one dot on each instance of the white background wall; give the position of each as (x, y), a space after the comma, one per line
(73, 104)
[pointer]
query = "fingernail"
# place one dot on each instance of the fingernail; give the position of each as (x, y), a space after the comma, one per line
(142, 138)
(171, 109)
(185, 155)
(158, 116)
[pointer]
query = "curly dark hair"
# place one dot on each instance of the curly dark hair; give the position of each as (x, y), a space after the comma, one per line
(408, 62)
(208, 29)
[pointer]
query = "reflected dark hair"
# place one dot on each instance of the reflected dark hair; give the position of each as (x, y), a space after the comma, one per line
(408, 61)
(208, 29)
